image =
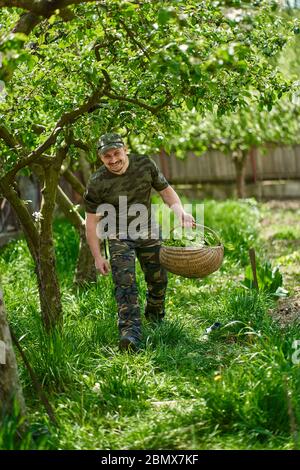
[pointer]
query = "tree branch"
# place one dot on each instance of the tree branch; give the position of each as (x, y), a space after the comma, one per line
(25, 4)
(141, 104)
(26, 23)
(43, 7)
(69, 210)
(134, 40)
(80, 144)
(66, 14)
(66, 119)
(137, 102)
(9, 138)
(39, 9)
(21, 210)
(74, 182)
(38, 128)
(66, 3)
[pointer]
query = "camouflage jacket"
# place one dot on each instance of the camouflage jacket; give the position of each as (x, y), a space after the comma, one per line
(105, 187)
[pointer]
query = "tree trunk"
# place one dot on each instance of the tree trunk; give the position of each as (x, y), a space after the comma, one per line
(240, 167)
(49, 291)
(47, 276)
(45, 263)
(85, 268)
(240, 180)
(40, 240)
(84, 166)
(10, 387)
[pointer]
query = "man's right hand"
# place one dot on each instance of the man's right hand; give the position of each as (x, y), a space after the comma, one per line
(102, 266)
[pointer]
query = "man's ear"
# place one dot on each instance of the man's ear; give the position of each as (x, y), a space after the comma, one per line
(99, 158)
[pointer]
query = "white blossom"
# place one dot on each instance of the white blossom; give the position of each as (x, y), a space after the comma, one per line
(37, 216)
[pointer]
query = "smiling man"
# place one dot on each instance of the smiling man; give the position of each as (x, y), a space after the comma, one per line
(130, 178)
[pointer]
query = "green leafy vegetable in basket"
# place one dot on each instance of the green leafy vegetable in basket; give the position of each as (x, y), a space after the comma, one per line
(190, 239)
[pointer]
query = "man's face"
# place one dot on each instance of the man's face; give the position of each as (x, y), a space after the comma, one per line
(115, 160)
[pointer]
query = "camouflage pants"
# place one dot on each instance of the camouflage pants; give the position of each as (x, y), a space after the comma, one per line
(122, 259)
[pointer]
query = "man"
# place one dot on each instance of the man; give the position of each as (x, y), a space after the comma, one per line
(131, 178)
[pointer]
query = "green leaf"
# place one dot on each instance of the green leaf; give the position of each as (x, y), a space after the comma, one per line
(164, 15)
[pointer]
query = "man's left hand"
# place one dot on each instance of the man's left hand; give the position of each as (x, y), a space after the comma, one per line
(187, 220)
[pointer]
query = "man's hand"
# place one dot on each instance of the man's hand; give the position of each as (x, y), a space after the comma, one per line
(187, 220)
(171, 198)
(102, 266)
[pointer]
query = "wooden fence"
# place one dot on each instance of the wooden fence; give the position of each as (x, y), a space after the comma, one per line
(275, 163)
(274, 173)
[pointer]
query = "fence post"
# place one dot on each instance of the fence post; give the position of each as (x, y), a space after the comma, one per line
(253, 267)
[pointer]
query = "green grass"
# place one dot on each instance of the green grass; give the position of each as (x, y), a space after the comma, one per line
(236, 388)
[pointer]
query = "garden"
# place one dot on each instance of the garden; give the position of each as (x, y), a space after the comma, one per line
(221, 371)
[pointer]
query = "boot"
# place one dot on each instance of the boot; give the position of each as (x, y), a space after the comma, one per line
(130, 338)
(154, 316)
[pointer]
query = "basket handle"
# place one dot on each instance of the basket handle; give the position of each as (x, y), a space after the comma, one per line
(200, 225)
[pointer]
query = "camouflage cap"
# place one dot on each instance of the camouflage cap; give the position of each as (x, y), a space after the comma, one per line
(109, 141)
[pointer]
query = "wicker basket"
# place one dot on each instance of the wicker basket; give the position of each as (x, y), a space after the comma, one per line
(197, 262)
